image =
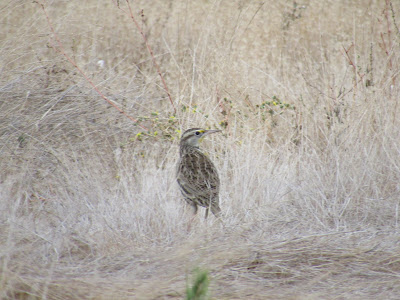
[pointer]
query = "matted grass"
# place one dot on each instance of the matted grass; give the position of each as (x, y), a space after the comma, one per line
(306, 95)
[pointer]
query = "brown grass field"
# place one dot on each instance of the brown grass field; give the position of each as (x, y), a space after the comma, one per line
(307, 95)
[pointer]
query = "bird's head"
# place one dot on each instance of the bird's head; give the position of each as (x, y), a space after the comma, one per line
(193, 137)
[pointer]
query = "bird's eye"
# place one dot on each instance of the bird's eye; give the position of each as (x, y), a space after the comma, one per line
(197, 132)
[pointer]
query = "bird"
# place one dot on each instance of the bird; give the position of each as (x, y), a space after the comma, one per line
(197, 175)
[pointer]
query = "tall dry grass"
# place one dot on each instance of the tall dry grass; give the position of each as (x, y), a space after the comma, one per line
(307, 97)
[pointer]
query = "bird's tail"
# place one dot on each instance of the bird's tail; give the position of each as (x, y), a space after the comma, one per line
(215, 209)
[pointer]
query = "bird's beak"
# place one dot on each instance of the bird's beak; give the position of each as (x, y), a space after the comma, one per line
(207, 132)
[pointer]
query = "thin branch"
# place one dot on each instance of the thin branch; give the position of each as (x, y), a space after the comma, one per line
(151, 54)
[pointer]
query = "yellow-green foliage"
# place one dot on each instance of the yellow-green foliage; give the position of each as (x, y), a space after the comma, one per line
(199, 287)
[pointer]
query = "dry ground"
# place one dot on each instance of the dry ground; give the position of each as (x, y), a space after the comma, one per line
(306, 94)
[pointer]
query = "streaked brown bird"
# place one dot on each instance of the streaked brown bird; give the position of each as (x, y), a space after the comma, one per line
(197, 176)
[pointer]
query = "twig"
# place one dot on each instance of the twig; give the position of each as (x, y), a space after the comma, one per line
(394, 20)
(151, 53)
(350, 61)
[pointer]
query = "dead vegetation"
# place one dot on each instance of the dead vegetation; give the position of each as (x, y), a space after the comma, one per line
(307, 96)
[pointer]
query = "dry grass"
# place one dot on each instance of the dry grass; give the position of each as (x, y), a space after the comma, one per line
(307, 97)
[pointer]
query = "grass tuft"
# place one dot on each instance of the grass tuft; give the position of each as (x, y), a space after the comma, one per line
(199, 287)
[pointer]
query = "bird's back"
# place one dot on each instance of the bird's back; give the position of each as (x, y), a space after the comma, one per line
(198, 177)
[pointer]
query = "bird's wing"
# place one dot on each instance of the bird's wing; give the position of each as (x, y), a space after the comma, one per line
(199, 172)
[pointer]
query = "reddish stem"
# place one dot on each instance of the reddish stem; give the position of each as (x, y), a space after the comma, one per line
(152, 55)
